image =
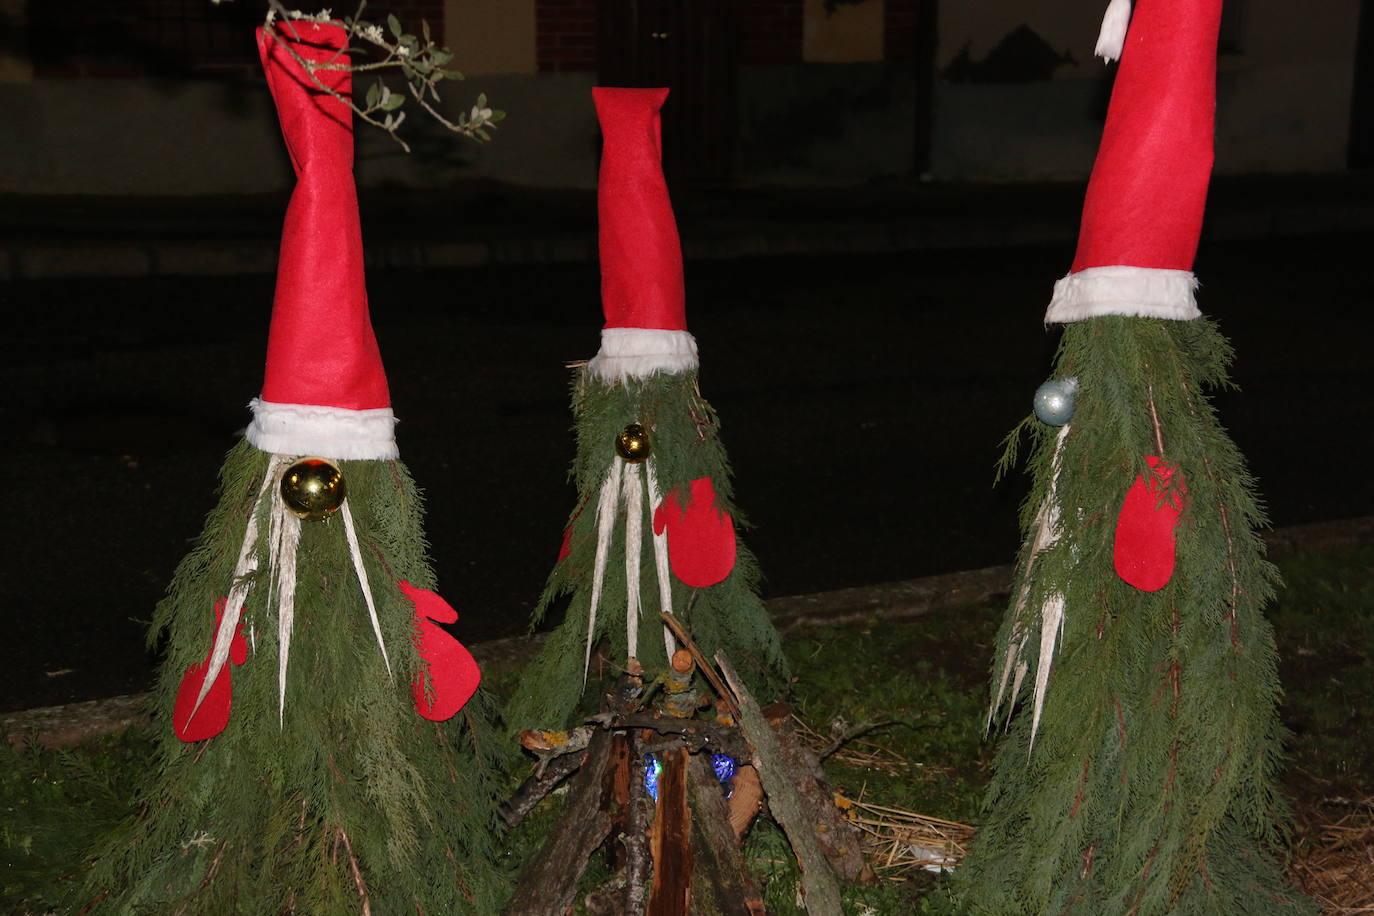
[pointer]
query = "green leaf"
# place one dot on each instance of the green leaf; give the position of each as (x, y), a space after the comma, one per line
(424, 29)
(497, 115)
(481, 100)
(394, 24)
(394, 101)
(374, 92)
(440, 57)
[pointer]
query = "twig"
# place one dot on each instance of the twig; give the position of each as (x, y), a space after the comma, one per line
(1154, 419)
(214, 866)
(850, 734)
(310, 67)
(357, 873)
(685, 638)
(417, 63)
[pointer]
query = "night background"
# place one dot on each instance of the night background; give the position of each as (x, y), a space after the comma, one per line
(875, 199)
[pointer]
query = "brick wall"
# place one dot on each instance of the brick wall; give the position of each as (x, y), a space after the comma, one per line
(565, 34)
(130, 38)
(96, 38)
(770, 32)
(410, 12)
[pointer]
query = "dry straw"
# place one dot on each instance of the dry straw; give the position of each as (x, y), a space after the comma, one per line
(1336, 863)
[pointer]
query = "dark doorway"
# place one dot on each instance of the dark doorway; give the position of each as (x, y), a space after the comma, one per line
(1361, 149)
(927, 39)
(689, 46)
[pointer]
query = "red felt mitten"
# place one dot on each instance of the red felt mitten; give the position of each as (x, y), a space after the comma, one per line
(701, 539)
(1144, 550)
(213, 715)
(452, 671)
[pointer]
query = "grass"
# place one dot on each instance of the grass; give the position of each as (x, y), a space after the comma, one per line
(54, 804)
(1325, 623)
(917, 692)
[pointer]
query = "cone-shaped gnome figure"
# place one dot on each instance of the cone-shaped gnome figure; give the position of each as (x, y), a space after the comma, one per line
(306, 765)
(653, 529)
(1134, 686)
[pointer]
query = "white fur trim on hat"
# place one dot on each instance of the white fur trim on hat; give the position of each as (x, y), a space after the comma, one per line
(329, 432)
(640, 352)
(1141, 292)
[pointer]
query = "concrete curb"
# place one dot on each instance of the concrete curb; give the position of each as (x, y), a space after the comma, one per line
(72, 724)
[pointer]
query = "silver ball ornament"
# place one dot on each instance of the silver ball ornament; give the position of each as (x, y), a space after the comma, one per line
(1054, 400)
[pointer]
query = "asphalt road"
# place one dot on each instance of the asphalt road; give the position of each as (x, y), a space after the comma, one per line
(863, 400)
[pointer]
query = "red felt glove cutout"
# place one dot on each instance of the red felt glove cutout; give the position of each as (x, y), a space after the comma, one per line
(213, 715)
(701, 539)
(1144, 550)
(453, 672)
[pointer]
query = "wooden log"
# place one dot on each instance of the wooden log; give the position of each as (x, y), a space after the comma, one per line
(720, 876)
(537, 787)
(696, 734)
(820, 890)
(839, 840)
(671, 840)
(548, 884)
(747, 800)
(637, 862)
(616, 797)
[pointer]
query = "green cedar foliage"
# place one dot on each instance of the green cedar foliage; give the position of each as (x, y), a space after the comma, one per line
(683, 431)
(269, 817)
(54, 804)
(1151, 784)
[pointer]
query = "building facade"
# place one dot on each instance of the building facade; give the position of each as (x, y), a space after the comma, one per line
(164, 96)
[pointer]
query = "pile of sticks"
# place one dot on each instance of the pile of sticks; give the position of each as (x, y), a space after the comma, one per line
(681, 853)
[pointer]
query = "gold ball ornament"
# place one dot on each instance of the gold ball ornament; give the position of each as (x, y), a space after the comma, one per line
(633, 444)
(313, 489)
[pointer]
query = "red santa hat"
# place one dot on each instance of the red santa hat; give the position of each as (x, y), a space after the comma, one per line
(324, 392)
(642, 292)
(1143, 212)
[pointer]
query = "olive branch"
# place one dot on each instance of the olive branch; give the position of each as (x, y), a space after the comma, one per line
(420, 60)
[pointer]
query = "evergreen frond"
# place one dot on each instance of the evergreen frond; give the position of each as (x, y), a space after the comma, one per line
(1150, 787)
(729, 615)
(352, 794)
